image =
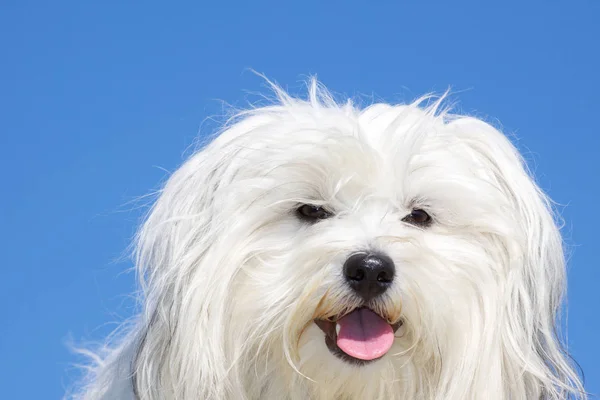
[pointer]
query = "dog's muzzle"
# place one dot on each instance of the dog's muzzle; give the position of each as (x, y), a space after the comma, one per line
(362, 335)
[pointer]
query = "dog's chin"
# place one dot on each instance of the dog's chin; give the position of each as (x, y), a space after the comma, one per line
(358, 337)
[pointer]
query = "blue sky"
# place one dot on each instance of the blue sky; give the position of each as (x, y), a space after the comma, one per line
(99, 99)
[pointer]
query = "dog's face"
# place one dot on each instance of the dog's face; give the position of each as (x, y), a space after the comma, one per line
(368, 238)
(356, 250)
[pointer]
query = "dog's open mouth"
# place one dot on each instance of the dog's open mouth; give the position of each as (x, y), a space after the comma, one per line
(358, 337)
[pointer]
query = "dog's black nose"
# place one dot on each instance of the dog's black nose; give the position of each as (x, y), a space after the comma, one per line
(369, 274)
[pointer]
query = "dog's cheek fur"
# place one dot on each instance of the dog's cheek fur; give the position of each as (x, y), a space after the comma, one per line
(533, 275)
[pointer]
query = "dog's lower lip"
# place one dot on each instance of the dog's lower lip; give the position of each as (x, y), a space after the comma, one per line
(328, 327)
(397, 325)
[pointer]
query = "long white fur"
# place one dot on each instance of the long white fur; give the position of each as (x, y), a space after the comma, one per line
(231, 279)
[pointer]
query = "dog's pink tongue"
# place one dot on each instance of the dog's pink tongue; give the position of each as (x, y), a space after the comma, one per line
(364, 335)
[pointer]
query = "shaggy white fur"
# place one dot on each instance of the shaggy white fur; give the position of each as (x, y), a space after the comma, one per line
(234, 276)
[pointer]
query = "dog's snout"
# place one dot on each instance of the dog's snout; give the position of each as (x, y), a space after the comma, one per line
(369, 274)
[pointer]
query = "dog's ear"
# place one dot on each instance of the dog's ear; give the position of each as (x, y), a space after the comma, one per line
(534, 273)
(186, 273)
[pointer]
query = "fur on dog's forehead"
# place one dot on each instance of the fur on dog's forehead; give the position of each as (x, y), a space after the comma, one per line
(407, 154)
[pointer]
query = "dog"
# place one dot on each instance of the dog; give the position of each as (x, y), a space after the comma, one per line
(315, 249)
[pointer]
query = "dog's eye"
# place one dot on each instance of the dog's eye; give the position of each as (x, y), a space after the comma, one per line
(311, 213)
(418, 217)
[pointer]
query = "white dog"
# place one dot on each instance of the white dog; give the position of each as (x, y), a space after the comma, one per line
(315, 250)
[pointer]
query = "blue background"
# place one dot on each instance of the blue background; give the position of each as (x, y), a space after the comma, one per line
(99, 99)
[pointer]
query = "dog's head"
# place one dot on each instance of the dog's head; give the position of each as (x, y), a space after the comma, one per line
(393, 249)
